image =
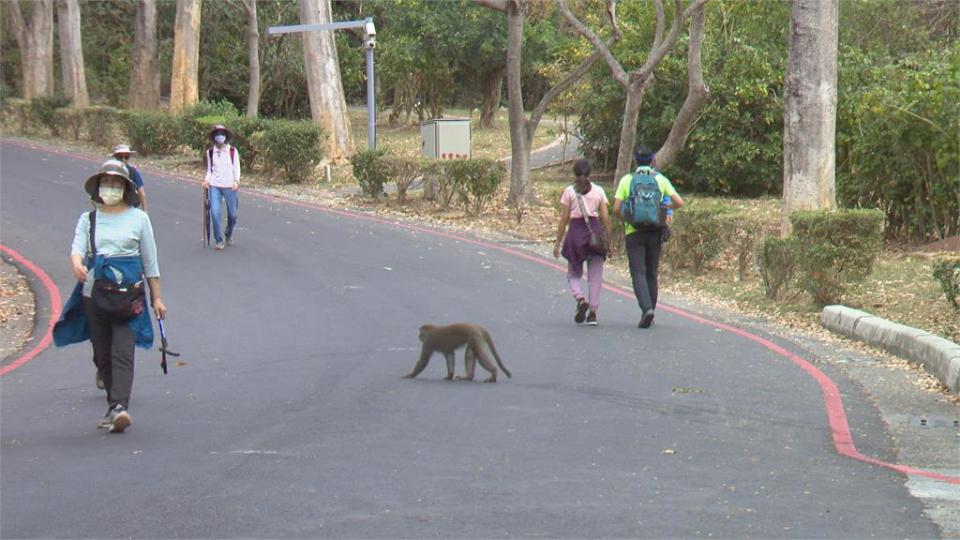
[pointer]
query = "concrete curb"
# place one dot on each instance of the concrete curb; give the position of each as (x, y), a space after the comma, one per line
(940, 356)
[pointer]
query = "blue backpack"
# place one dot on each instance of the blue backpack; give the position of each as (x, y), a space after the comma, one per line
(642, 209)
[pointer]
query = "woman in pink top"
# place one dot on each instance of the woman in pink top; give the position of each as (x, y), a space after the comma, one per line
(575, 239)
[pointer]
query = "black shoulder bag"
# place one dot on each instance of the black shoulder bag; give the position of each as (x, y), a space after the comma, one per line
(118, 302)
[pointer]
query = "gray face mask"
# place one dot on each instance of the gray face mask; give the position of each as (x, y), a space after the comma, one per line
(111, 195)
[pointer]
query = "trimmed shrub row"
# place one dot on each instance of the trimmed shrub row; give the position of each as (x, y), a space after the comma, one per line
(474, 182)
(828, 251)
(293, 145)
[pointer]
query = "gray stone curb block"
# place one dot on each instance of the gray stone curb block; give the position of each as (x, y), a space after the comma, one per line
(940, 356)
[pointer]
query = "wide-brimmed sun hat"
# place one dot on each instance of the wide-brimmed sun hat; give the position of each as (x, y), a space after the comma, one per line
(220, 128)
(112, 167)
(123, 149)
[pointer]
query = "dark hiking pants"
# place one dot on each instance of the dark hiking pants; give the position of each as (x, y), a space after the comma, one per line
(643, 253)
(113, 353)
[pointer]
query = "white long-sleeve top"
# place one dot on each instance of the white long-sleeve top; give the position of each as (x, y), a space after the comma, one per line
(223, 172)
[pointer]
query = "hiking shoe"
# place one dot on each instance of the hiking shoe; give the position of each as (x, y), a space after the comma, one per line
(581, 311)
(98, 380)
(104, 422)
(592, 318)
(647, 320)
(119, 419)
(219, 246)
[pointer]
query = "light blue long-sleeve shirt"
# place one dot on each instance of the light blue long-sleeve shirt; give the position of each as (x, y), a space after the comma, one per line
(121, 234)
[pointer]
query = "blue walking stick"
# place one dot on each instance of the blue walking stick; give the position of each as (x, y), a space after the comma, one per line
(164, 351)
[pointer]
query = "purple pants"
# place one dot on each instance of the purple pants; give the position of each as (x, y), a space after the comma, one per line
(576, 251)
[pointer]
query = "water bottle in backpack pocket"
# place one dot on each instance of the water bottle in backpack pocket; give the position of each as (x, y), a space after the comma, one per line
(643, 207)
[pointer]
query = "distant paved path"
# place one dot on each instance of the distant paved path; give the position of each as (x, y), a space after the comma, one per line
(290, 418)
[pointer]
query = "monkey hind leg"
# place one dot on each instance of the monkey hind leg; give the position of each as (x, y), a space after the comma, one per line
(483, 356)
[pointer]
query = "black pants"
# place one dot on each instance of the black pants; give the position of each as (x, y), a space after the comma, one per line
(113, 353)
(643, 252)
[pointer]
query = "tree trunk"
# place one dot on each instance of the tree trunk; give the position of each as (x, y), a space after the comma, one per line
(184, 90)
(519, 137)
(35, 41)
(71, 53)
(493, 88)
(628, 129)
(810, 109)
(327, 103)
(253, 53)
(697, 94)
(145, 73)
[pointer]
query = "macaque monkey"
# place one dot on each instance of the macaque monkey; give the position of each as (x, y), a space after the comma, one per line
(447, 339)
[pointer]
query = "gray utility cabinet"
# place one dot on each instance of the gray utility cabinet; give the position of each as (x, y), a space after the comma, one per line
(446, 138)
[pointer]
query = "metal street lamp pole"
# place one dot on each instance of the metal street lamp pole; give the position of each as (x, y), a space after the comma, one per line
(369, 43)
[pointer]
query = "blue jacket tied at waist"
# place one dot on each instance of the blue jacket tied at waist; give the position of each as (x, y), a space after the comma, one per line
(72, 325)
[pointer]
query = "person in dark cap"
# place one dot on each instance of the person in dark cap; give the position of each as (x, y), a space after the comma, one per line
(113, 244)
(223, 181)
(123, 152)
(644, 241)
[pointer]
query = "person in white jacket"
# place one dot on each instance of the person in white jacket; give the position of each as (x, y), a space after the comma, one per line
(223, 181)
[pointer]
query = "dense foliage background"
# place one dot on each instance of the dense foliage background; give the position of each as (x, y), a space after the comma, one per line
(899, 89)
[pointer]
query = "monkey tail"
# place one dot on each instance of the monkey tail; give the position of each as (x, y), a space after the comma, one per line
(496, 355)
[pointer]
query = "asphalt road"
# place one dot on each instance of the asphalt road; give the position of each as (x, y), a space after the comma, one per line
(289, 417)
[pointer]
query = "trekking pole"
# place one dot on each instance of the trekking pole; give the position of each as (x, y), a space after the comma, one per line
(206, 217)
(164, 351)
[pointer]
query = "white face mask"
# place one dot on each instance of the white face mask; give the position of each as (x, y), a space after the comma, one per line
(111, 195)
(220, 138)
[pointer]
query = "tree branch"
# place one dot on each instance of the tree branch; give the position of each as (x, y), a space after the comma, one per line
(619, 74)
(697, 93)
(498, 5)
(559, 88)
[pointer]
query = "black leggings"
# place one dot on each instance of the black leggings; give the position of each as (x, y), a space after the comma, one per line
(113, 353)
(643, 253)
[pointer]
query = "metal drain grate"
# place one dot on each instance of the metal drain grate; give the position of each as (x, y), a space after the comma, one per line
(934, 422)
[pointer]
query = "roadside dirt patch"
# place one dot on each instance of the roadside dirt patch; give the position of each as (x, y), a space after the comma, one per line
(16, 310)
(947, 244)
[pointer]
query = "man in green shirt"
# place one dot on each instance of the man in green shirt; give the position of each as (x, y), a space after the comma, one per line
(644, 243)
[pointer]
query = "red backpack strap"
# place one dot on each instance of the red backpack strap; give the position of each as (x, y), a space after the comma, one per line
(233, 153)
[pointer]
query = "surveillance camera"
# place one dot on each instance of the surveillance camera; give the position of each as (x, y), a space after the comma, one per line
(370, 29)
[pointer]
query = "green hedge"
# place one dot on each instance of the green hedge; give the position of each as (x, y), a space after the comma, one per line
(402, 171)
(476, 182)
(436, 174)
(698, 236)
(43, 110)
(100, 122)
(151, 132)
(834, 249)
(777, 265)
(368, 167)
(292, 145)
(70, 121)
(947, 272)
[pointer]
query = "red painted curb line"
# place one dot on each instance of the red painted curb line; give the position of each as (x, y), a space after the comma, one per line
(55, 303)
(833, 403)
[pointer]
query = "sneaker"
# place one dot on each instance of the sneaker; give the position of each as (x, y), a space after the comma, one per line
(581, 311)
(98, 380)
(229, 241)
(647, 320)
(219, 246)
(119, 419)
(104, 422)
(592, 318)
